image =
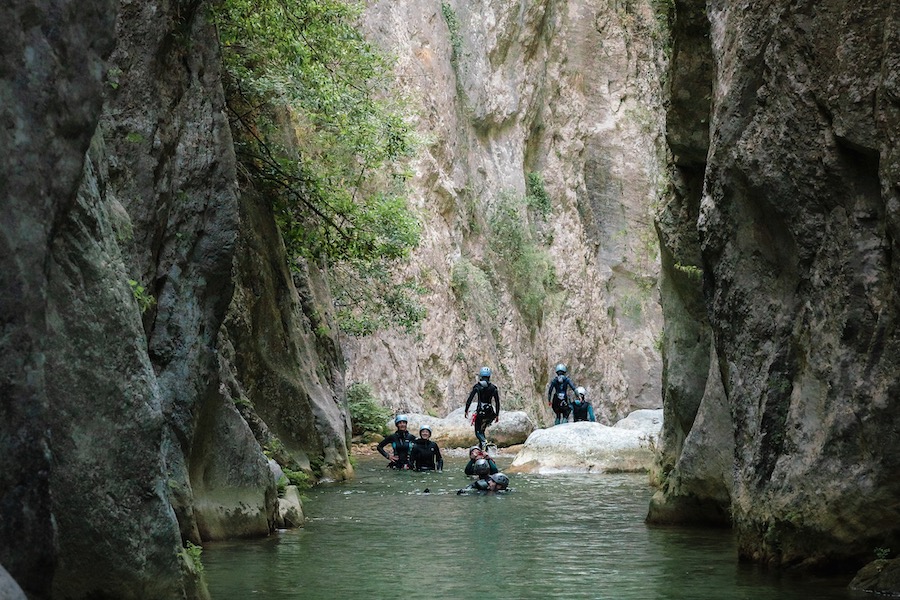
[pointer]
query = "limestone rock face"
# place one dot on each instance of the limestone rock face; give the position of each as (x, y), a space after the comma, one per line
(694, 472)
(879, 577)
(285, 356)
(121, 429)
(799, 225)
(567, 90)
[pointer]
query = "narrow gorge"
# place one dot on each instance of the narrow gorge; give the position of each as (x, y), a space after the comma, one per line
(694, 205)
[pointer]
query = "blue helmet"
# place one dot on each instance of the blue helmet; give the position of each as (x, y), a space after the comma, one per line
(399, 418)
(485, 372)
(561, 368)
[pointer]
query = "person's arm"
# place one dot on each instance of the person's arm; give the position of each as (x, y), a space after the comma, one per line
(384, 443)
(591, 413)
(496, 400)
(572, 385)
(438, 458)
(469, 399)
(471, 486)
(492, 465)
(550, 393)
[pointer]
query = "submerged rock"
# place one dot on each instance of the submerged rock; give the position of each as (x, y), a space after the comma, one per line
(629, 446)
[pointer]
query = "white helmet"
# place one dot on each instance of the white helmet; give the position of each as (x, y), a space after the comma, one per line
(581, 391)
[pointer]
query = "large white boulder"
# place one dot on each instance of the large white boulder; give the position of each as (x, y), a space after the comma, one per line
(629, 446)
(455, 431)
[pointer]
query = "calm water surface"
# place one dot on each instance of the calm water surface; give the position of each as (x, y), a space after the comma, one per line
(559, 536)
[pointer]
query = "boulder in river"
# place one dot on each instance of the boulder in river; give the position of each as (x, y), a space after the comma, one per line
(455, 431)
(629, 446)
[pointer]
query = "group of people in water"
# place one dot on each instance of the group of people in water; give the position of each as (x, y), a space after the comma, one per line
(408, 452)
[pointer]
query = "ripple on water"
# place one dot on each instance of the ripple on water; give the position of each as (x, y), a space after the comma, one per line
(571, 535)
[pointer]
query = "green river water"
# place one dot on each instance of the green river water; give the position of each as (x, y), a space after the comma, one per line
(552, 536)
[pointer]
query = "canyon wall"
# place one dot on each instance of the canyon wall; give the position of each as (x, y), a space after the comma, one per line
(506, 90)
(131, 421)
(796, 229)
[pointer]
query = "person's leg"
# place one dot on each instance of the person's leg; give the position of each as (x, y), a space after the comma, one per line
(480, 426)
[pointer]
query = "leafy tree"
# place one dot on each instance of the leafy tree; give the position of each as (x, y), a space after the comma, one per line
(319, 131)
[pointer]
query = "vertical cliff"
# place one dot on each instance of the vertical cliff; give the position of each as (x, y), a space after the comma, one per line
(797, 230)
(124, 238)
(506, 93)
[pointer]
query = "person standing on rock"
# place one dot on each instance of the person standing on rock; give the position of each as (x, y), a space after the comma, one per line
(558, 394)
(425, 454)
(581, 408)
(488, 395)
(401, 444)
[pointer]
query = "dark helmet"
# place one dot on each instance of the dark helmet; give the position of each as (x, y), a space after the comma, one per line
(482, 467)
(500, 479)
(485, 372)
(561, 369)
(428, 429)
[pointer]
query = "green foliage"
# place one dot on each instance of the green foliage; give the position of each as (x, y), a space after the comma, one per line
(455, 37)
(368, 297)
(192, 553)
(319, 132)
(525, 266)
(297, 478)
(695, 273)
(366, 415)
(144, 299)
(537, 197)
(882, 553)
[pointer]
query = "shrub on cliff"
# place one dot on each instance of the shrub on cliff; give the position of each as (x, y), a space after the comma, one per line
(319, 131)
(366, 415)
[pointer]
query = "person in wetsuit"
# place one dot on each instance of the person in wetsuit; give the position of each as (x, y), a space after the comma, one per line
(401, 444)
(475, 453)
(558, 394)
(496, 482)
(581, 408)
(488, 395)
(425, 454)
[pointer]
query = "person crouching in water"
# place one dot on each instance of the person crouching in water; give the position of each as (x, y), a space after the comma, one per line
(425, 454)
(401, 444)
(476, 453)
(581, 408)
(488, 395)
(496, 482)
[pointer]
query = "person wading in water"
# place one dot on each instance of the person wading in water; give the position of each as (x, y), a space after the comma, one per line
(488, 395)
(425, 455)
(401, 445)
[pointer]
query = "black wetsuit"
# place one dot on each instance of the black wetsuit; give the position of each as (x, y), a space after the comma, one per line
(479, 485)
(558, 398)
(426, 456)
(401, 442)
(488, 395)
(582, 411)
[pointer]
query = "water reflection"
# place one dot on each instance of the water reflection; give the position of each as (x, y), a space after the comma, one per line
(560, 536)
